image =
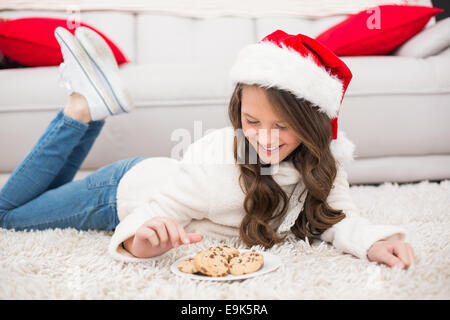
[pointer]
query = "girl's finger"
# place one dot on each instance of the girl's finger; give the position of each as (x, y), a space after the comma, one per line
(390, 259)
(194, 237)
(160, 229)
(401, 251)
(411, 253)
(183, 236)
(173, 232)
(149, 234)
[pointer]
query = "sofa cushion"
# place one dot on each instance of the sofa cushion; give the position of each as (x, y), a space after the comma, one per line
(429, 42)
(376, 31)
(176, 82)
(118, 26)
(170, 39)
(398, 75)
(31, 41)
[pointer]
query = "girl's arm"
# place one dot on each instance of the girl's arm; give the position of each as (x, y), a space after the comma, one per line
(355, 234)
(181, 200)
(184, 198)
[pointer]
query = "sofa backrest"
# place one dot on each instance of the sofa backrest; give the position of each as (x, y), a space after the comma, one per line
(158, 38)
(168, 38)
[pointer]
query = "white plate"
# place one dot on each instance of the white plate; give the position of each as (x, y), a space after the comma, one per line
(271, 263)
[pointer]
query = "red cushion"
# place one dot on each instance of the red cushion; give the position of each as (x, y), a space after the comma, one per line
(367, 33)
(31, 41)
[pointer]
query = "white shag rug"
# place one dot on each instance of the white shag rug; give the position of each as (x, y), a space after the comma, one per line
(69, 264)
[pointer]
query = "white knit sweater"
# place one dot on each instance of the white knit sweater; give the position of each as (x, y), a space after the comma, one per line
(202, 192)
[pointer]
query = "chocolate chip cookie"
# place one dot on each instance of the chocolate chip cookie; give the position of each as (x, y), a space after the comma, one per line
(222, 260)
(187, 266)
(212, 262)
(246, 262)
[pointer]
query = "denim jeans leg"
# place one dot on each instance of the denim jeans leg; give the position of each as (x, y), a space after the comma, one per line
(85, 204)
(42, 164)
(78, 155)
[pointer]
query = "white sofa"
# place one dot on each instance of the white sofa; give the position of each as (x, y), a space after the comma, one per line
(396, 109)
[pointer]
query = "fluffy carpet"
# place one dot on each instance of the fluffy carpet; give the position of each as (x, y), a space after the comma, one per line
(69, 264)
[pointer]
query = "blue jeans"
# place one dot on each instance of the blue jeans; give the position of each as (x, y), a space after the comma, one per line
(40, 193)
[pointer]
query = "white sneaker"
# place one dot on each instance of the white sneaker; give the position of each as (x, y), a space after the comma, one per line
(79, 75)
(105, 64)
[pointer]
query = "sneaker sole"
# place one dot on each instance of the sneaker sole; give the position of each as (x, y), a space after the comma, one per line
(102, 57)
(85, 65)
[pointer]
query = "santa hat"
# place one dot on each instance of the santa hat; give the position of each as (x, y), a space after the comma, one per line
(304, 67)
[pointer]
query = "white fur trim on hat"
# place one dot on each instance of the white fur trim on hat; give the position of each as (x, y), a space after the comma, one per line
(268, 65)
(342, 149)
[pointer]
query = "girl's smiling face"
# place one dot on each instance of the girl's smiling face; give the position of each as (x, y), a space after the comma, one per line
(269, 135)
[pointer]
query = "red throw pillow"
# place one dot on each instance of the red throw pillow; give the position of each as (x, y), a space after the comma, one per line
(31, 41)
(376, 31)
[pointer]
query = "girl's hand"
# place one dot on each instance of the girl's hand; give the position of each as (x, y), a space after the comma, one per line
(392, 252)
(157, 236)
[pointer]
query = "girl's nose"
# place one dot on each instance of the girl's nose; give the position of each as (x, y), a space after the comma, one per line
(268, 137)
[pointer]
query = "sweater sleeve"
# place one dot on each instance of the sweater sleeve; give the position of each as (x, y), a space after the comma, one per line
(354, 234)
(183, 198)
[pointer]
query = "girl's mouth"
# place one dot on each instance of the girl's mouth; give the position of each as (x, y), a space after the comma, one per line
(270, 151)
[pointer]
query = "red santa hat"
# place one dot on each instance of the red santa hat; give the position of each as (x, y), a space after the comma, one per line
(302, 66)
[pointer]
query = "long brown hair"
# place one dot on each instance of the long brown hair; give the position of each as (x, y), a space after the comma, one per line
(265, 200)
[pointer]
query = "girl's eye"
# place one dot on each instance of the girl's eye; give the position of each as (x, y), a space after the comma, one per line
(256, 122)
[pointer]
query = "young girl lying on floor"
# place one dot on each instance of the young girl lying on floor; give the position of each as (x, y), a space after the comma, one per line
(278, 168)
